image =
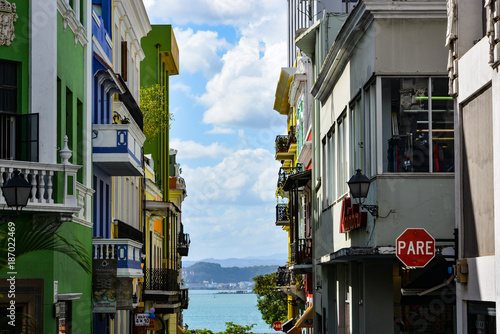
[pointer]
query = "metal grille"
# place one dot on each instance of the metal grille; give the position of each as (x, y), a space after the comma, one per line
(161, 279)
(301, 251)
(282, 213)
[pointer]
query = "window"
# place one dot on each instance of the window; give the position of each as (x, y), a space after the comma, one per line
(124, 61)
(342, 173)
(8, 86)
(328, 170)
(357, 135)
(418, 133)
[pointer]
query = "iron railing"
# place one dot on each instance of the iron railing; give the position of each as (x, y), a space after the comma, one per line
(284, 277)
(184, 298)
(183, 242)
(285, 172)
(161, 279)
(282, 213)
(301, 251)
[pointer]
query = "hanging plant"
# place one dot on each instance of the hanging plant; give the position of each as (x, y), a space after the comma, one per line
(154, 108)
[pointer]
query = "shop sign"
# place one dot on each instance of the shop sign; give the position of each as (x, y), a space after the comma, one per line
(141, 319)
(104, 285)
(351, 218)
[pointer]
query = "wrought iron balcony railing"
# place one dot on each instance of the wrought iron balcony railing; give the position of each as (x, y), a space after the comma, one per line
(282, 215)
(183, 242)
(161, 280)
(184, 298)
(284, 277)
(281, 144)
(285, 172)
(301, 251)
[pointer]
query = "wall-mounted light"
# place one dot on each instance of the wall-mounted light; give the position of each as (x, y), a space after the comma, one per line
(16, 191)
(359, 185)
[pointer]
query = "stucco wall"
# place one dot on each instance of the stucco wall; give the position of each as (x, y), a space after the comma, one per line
(410, 46)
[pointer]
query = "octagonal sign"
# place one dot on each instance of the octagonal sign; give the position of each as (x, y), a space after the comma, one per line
(415, 247)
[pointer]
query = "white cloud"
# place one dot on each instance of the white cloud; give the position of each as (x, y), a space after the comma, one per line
(246, 177)
(227, 12)
(230, 208)
(220, 130)
(179, 86)
(198, 51)
(192, 150)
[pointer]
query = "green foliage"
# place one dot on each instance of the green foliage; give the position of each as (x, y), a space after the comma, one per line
(270, 302)
(205, 271)
(231, 328)
(39, 235)
(154, 107)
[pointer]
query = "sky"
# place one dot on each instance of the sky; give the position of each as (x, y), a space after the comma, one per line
(230, 55)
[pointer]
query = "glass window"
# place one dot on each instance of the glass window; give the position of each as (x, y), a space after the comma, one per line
(412, 109)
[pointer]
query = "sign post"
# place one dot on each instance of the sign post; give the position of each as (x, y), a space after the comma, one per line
(415, 247)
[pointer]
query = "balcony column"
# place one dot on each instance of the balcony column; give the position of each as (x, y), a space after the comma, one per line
(43, 74)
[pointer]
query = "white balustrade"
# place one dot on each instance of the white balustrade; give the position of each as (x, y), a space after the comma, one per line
(47, 181)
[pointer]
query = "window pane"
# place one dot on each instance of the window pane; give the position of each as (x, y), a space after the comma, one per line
(442, 127)
(405, 124)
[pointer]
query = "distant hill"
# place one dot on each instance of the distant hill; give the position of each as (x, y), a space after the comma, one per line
(204, 271)
(272, 260)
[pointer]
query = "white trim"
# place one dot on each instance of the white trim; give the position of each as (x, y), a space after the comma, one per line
(82, 222)
(109, 41)
(378, 127)
(69, 19)
(96, 18)
(100, 50)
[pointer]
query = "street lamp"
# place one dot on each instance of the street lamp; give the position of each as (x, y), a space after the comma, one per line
(359, 185)
(16, 191)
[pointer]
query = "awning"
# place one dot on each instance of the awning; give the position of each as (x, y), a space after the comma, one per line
(287, 325)
(306, 320)
(180, 330)
(294, 330)
(302, 178)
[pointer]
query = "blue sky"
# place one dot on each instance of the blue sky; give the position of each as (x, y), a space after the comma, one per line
(231, 52)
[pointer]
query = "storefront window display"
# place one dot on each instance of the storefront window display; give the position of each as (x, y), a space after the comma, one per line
(418, 132)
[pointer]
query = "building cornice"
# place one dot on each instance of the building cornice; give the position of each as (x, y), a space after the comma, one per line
(69, 19)
(355, 26)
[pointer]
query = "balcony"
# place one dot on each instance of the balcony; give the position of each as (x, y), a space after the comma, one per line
(54, 186)
(168, 49)
(184, 298)
(117, 150)
(161, 285)
(289, 283)
(301, 255)
(183, 242)
(127, 253)
(282, 216)
(285, 172)
(282, 148)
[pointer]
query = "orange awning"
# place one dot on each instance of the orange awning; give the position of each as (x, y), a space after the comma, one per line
(306, 320)
(294, 330)
(180, 330)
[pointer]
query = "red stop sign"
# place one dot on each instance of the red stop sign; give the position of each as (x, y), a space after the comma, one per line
(277, 325)
(415, 247)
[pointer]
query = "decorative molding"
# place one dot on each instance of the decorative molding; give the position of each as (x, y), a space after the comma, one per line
(7, 18)
(96, 18)
(493, 31)
(69, 19)
(451, 43)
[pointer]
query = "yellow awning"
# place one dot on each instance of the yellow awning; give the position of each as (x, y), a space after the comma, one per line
(306, 320)
(294, 330)
(180, 330)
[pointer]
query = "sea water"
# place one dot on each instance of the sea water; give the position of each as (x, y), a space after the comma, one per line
(211, 309)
